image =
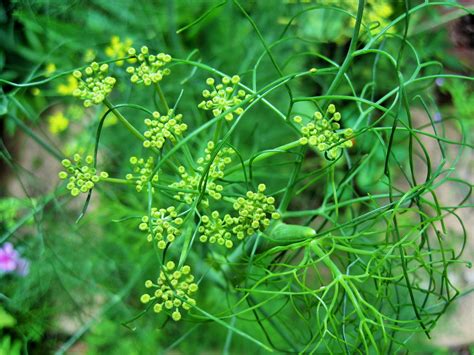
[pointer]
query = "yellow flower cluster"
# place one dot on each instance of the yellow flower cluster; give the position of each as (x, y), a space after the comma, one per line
(321, 132)
(142, 172)
(58, 123)
(173, 290)
(216, 171)
(216, 230)
(82, 177)
(50, 69)
(162, 225)
(223, 97)
(162, 128)
(118, 49)
(95, 85)
(69, 87)
(255, 212)
(151, 67)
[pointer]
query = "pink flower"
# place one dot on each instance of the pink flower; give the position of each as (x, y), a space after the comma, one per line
(10, 261)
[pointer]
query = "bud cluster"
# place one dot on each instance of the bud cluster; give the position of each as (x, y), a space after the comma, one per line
(82, 175)
(150, 69)
(255, 212)
(322, 133)
(173, 290)
(223, 97)
(162, 225)
(94, 85)
(216, 171)
(216, 230)
(161, 128)
(142, 172)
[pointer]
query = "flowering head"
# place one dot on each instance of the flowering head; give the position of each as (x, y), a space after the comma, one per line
(163, 225)
(163, 127)
(58, 123)
(150, 68)
(217, 230)
(94, 84)
(190, 181)
(222, 97)
(255, 211)
(81, 173)
(142, 172)
(172, 290)
(50, 69)
(118, 49)
(322, 132)
(69, 87)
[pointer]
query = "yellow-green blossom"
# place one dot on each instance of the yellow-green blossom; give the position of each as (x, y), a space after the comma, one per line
(81, 173)
(163, 127)
(50, 69)
(172, 290)
(69, 87)
(222, 97)
(163, 226)
(118, 49)
(142, 171)
(150, 68)
(57, 123)
(217, 230)
(94, 85)
(323, 133)
(255, 212)
(190, 180)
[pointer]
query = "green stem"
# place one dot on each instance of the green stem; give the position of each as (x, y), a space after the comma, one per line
(265, 155)
(347, 61)
(117, 181)
(187, 154)
(159, 186)
(217, 131)
(124, 121)
(162, 98)
(339, 277)
(288, 195)
(306, 213)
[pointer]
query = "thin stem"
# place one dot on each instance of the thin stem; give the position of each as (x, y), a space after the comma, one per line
(124, 121)
(347, 61)
(162, 97)
(265, 155)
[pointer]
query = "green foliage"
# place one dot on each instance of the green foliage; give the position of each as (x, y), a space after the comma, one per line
(6, 319)
(463, 96)
(306, 229)
(9, 346)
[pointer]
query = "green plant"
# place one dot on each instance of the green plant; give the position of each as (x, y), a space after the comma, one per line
(319, 231)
